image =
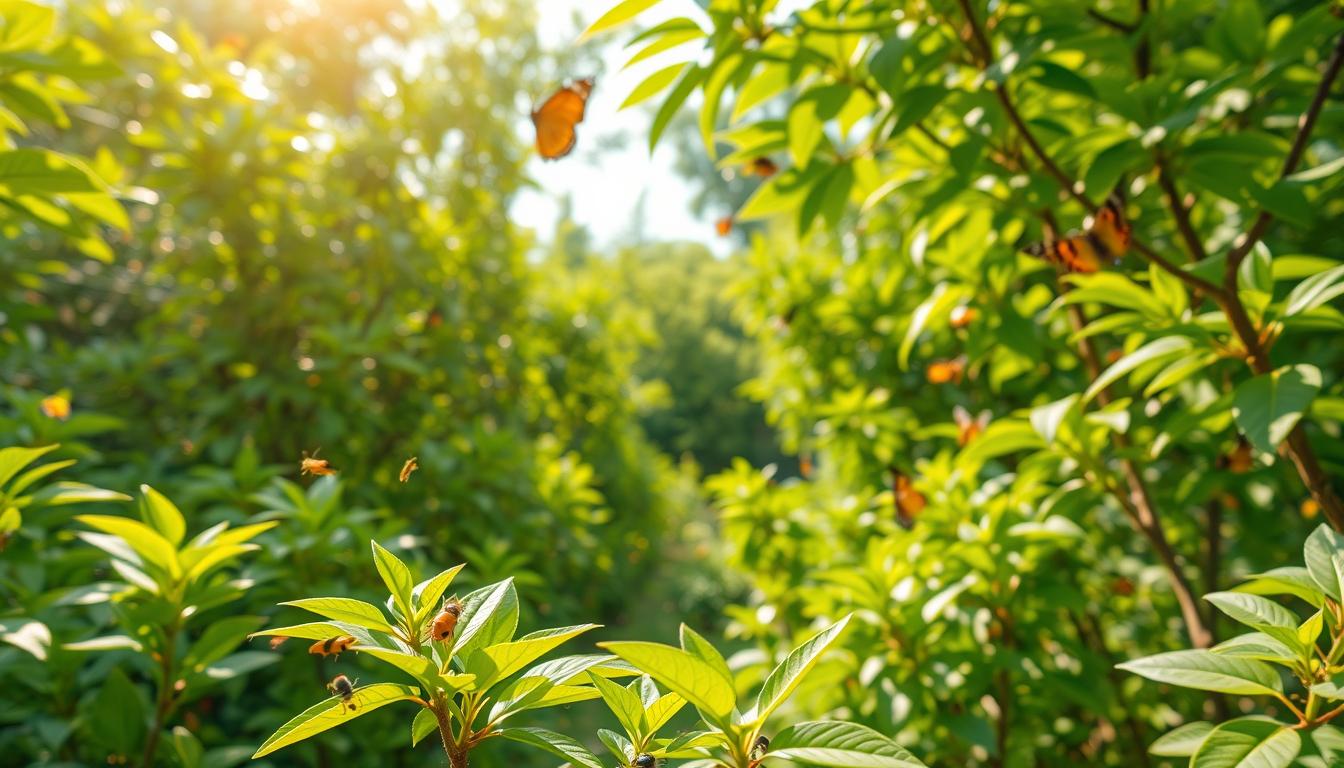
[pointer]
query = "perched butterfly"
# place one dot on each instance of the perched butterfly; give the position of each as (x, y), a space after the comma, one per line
(943, 371)
(723, 226)
(1106, 241)
(761, 166)
(969, 428)
(962, 316)
(311, 465)
(406, 469)
(56, 407)
(557, 118)
(909, 502)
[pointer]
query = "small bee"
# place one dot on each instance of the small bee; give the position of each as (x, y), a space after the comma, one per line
(759, 749)
(909, 502)
(444, 624)
(341, 686)
(311, 465)
(332, 646)
(406, 469)
(969, 428)
(943, 371)
(962, 316)
(645, 760)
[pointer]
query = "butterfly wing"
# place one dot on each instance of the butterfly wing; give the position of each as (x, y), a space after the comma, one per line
(1110, 228)
(1076, 253)
(558, 117)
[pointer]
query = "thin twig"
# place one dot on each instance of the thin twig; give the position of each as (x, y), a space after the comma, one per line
(1179, 211)
(1116, 24)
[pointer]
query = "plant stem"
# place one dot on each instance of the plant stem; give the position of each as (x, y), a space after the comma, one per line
(164, 700)
(456, 752)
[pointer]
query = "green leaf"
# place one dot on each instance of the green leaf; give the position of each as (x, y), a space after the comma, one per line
(31, 171)
(118, 717)
(148, 543)
(428, 593)
(396, 576)
(1324, 556)
(355, 612)
(1252, 610)
(187, 747)
(791, 671)
(1046, 419)
(218, 640)
(662, 710)
(424, 724)
(162, 515)
(1208, 671)
(26, 26)
(653, 85)
(936, 307)
(1289, 580)
(1158, 349)
(489, 616)
(695, 644)
(1258, 646)
(841, 745)
(1332, 689)
(688, 82)
(696, 680)
(1248, 742)
(26, 634)
(622, 13)
(1002, 437)
(1184, 741)
(771, 80)
(623, 703)
(12, 460)
(333, 712)
(559, 745)
(503, 659)
(1314, 291)
(679, 34)
(807, 119)
(1268, 406)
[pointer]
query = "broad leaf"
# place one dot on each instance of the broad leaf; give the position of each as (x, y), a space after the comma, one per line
(355, 612)
(333, 712)
(790, 672)
(1268, 406)
(1182, 742)
(841, 745)
(1208, 671)
(1248, 742)
(688, 675)
(559, 745)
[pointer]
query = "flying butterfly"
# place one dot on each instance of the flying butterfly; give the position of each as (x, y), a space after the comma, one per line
(761, 166)
(558, 117)
(333, 646)
(909, 502)
(1106, 241)
(969, 427)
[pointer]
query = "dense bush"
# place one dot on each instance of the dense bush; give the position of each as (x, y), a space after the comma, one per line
(1134, 412)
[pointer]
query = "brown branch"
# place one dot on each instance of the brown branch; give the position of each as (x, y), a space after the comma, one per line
(1297, 447)
(1138, 501)
(1305, 125)
(1179, 211)
(1116, 24)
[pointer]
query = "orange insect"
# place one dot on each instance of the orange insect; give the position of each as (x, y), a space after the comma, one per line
(943, 371)
(1240, 459)
(1310, 509)
(969, 428)
(333, 645)
(406, 469)
(558, 117)
(341, 686)
(311, 465)
(446, 622)
(56, 407)
(276, 642)
(1122, 586)
(805, 465)
(909, 502)
(723, 226)
(1106, 241)
(761, 166)
(962, 316)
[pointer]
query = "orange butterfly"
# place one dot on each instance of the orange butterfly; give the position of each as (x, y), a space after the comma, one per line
(723, 226)
(969, 428)
(1106, 241)
(763, 167)
(909, 502)
(943, 371)
(557, 118)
